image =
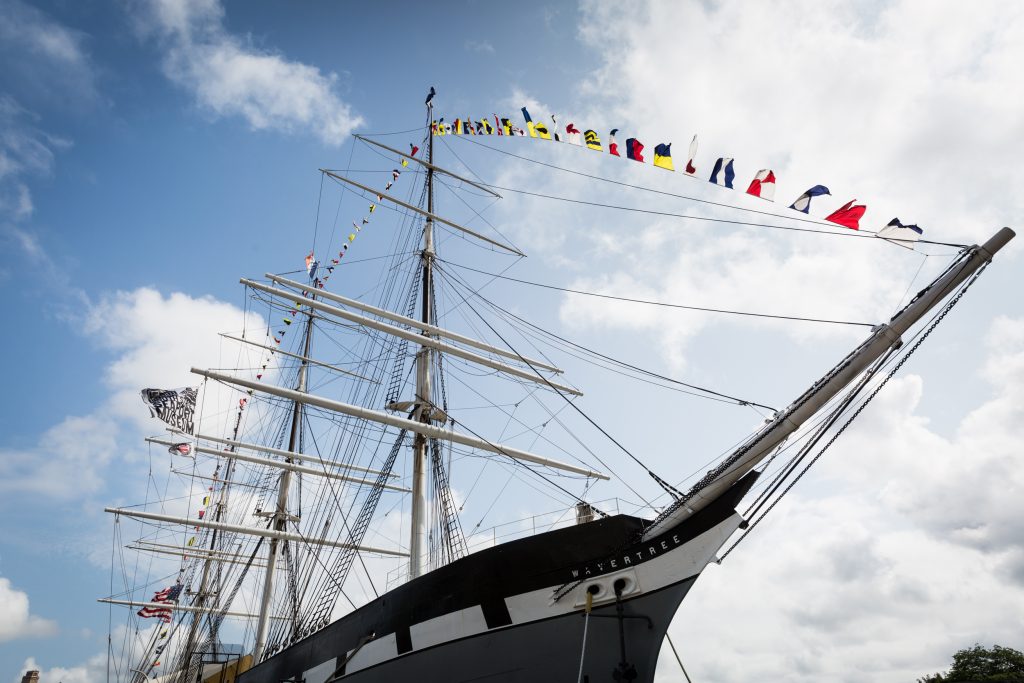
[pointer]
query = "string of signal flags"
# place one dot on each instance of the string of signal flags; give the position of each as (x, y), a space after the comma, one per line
(723, 172)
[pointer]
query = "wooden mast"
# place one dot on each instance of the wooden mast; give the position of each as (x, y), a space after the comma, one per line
(424, 399)
(280, 515)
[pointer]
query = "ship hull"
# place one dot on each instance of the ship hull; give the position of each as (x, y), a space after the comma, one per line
(547, 649)
(517, 612)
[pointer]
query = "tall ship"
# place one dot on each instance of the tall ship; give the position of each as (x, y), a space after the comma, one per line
(308, 529)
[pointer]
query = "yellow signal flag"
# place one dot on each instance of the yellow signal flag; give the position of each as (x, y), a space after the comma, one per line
(663, 156)
(191, 541)
(592, 140)
(405, 162)
(530, 127)
(542, 131)
(351, 237)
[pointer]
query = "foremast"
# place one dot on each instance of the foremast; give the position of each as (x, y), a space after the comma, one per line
(280, 516)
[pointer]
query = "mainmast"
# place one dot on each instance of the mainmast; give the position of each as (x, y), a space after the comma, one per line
(280, 515)
(424, 400)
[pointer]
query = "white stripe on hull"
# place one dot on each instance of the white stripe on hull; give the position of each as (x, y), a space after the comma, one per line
(662, 570)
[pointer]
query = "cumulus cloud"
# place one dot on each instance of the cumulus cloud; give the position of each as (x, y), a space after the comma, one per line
(142, 328)
(905, 544)
(872, 105)
(93, 670)
(907, 105)
(916, 551)
(230, 77)
(16, 620)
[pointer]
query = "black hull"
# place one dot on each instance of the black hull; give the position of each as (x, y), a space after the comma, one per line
(515, 612)
(546, 650)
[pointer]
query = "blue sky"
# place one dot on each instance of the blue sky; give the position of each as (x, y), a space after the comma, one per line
(153, 152)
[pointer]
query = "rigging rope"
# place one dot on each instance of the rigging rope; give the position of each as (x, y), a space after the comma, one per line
(938, 319)
(863, 233)
(711, 393)
(684, 216)
(661, 482)
(657, 303)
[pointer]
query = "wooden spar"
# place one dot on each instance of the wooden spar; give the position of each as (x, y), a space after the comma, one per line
(882, 338)
(425, 214)
(431, 166)
(297, 356)
(412, 322)
(398, 422)
(252, 531)
(420, 339)
(277, 451)
(281, 465)
(200, 555)
(179, 608)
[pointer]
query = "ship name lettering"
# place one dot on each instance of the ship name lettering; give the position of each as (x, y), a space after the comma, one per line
(675, 539)
(639, 555)
(653, 551)
(612, 563)
(664, 545)
(626, 560)
(600, 566)
(575, 573)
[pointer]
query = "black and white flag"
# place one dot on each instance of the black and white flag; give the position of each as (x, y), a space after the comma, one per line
(176, 407)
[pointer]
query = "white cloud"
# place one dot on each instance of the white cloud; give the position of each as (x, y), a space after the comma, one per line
(47, 56)
(158, 338)
(155, 339)
(481, 46)
(905, 544)
(93, 670)
(910, 107)
(25, 151)
(29, 28)
(16, 620)
(67, 462)
(874, 106)
(229, 77)
(916, 551)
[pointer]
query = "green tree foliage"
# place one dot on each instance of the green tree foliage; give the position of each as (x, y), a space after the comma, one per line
(983, 665)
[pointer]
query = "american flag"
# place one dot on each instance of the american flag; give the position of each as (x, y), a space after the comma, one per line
(167, 596)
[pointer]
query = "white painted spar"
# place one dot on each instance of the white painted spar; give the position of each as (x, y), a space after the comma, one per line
(282, 465)
(179, 608)
(427, 164)
(415, 337)
(252, 531)
(294, 455)
(412, 322)
(399, 422)
(426, 214)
